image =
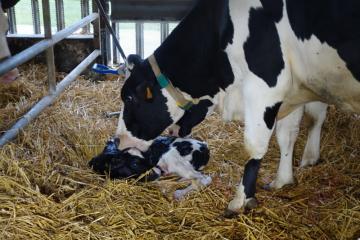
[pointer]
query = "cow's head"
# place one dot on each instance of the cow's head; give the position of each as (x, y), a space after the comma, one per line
(4, 49)
(147, 109)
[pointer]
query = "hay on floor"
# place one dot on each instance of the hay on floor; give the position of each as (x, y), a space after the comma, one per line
(48, 192)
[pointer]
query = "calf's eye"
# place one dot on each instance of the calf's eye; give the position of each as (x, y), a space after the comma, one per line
(128, 99)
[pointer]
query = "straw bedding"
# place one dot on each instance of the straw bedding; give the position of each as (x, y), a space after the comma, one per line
(48, 192)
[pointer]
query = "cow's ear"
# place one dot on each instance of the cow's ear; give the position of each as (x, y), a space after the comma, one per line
(145, 91)
(133, 60)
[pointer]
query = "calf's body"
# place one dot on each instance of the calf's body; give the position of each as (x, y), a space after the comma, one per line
(167, 155)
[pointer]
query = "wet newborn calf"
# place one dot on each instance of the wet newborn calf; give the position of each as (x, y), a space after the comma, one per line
(167, 155)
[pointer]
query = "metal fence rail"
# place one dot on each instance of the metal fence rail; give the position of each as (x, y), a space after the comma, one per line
(39, 47)
(47, 44)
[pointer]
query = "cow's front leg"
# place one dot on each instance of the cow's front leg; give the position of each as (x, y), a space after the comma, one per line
(261, 107)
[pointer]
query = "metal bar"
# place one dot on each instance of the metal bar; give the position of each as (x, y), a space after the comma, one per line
(164, 30)
(50, 59)
(139, 29)
(116, 59)
(60, 18)
(12, 20)
(108, 37)
(47, 100)
(85, 10)
(102, 30)
(36, 16)
(106, 20)
(39, 47)
(96, 29)
(137, 10)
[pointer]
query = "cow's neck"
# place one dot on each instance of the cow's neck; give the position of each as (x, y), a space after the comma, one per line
(193, 56)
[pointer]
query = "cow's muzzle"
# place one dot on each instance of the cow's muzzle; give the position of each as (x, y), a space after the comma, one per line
(127, 141)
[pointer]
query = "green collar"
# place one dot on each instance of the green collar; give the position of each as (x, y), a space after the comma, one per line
(165, 83)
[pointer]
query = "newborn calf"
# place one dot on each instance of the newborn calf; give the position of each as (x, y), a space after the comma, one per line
(167, 155)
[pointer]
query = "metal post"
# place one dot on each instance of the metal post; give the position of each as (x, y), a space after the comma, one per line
(85, 10)
(50, 60)
(103, 35)
(36, 16)
(108, 37)
(48, 100)
(60, 18)
(96, 26)
(164, 29)
(139, 29)
(12, 20)
(116, 57)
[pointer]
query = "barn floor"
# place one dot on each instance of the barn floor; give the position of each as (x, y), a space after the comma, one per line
(48, 192)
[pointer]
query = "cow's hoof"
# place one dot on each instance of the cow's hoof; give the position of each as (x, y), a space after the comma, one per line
(277, 184)
(310, 162)
(251, 203)
(230, 213)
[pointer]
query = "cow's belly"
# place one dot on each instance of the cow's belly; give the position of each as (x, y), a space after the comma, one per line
(320, 70)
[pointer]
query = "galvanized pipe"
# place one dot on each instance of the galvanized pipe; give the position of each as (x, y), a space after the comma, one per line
(164, 30)
(139, 32)
(36, 16)
(39, 47)
(47, 100)
(85, 10)
(50, 59)
(116, 59)
(108, 37)
(12, 19)
(60, 17)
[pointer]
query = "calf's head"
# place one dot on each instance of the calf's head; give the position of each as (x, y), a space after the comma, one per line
(121, 164)
(147, 109)
(4, 49)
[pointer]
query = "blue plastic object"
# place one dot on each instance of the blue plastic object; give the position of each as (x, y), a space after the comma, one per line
(102, 69)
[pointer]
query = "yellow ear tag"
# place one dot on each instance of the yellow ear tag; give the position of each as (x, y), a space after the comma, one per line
(148, 93)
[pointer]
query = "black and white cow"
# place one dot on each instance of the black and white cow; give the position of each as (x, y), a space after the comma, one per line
(4, 49)
(166, 155)
(273, 55)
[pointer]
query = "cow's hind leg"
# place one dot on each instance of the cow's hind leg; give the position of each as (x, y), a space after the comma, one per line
(317, 111)
(261, 107)
(287, 130)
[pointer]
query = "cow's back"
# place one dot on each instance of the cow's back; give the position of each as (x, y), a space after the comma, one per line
(323, 50)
